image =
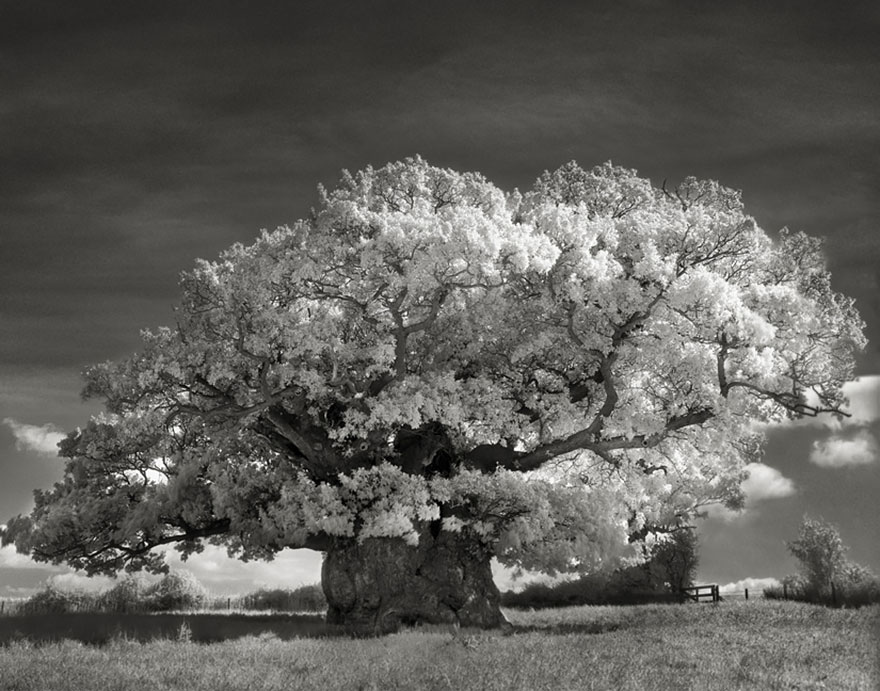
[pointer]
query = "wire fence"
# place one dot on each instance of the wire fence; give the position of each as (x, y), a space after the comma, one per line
(287, 602)
(11, 606)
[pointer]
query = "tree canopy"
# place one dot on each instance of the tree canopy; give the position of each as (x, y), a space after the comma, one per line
(558, 373)
(822, 556)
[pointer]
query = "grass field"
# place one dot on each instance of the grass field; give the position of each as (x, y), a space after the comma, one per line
(749, 645)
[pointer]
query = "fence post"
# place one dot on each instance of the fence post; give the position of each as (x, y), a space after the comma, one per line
(784, 591)
(747, 593)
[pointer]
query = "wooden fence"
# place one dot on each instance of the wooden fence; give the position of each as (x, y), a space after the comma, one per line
(712, 593)
(703, 592)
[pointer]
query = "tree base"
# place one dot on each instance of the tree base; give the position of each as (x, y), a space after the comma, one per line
(383, 583)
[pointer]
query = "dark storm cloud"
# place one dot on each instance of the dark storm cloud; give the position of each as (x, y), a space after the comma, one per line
(138, 137)
(135, 137)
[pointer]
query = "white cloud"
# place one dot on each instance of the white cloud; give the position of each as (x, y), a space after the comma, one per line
(42, 439)
(763, 483)
(838, 451)
(864, 400)
(509, 578)
(224, 575)
(10, 559)
(76, 581)
(863, 395)
(755, 585)
(219, 573)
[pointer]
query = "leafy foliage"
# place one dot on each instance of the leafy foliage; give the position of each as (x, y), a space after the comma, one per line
(180, 590)
(174, 591)
(54, 600)
(826, 576)
(558, 374)
(129, 594)
(307, 598)
(669, 568)
(820, 551)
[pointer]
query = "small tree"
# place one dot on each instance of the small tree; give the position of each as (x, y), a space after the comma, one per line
(820, 551)
(128, 594)
(826, 574)
(179, 590)
(673, 561)
(54, 600)
(428, 372)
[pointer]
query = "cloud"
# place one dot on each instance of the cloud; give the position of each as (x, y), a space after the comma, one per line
(220, 574)
(223, 575)
(11, 559)
(838, 451)
(755, 585)
(76, 581)
(864, 400)
(763, 483)
(42, 439)
(863, 408)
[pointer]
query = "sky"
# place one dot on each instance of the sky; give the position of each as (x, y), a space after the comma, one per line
(136, 137)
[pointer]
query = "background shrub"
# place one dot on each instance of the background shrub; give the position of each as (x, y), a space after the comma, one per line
(128, 595)
(53, 600)
(179, 590)
(669, 568)
(307, 598)
(826, 576)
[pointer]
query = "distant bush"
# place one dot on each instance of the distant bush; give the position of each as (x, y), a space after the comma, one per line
(176, 591)
(589, 590)
(134, 594)
(131, 594)
(826, 577)
(845, 593)
(128, 595)
(307, 598)
(53, 600)
(669, 569)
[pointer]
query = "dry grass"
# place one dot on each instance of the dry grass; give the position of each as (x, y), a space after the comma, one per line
(753, 645)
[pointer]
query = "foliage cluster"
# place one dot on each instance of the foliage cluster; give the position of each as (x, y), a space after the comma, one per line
(668, 570)
(174, 591)
(102, 628)
(549, 373)
(850, 593)
(826, 575)
(307, 598)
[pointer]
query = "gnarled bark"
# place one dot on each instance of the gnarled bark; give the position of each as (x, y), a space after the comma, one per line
(382, 583)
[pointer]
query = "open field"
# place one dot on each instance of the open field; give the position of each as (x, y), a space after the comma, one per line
(747, 645)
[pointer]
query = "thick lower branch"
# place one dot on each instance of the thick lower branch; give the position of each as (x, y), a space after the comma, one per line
(112, 555)
(487, 457)
(318, 455)
(790, 401)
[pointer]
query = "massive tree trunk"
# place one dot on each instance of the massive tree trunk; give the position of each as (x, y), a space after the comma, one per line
(383, 583)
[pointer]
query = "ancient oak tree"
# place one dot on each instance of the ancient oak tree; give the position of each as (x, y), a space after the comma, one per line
(428, 372)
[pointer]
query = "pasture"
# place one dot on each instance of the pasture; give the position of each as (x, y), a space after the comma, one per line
(741, 645)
